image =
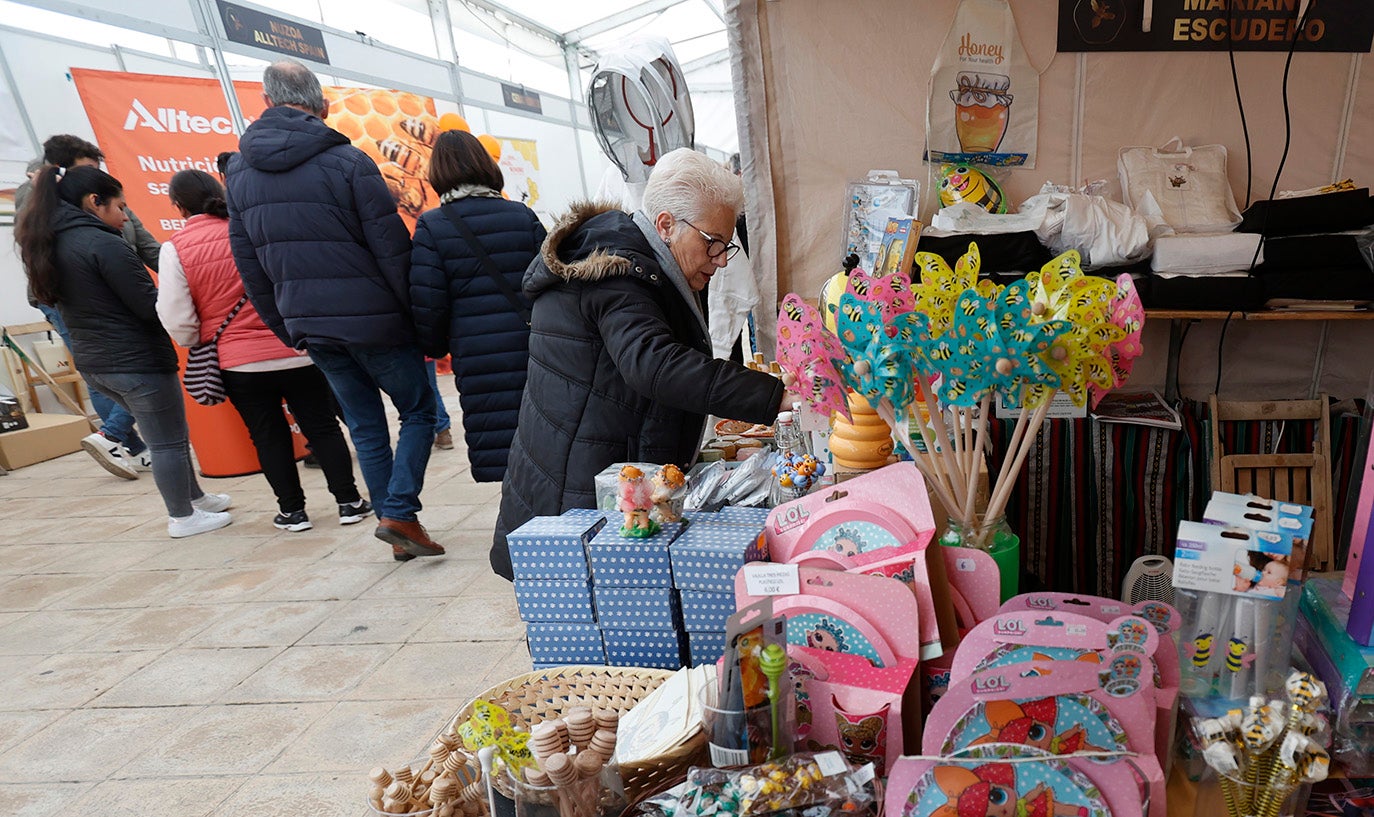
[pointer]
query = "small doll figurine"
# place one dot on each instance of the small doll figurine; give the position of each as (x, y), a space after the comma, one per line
(634, 500)
(667, 481)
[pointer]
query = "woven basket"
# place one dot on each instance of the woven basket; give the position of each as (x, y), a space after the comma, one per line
(548, 694)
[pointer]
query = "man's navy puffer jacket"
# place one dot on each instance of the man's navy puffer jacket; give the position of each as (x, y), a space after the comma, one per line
(323, 254)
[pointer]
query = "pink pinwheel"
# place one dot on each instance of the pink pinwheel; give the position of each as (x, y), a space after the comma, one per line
(813, 356)
(1128, 314)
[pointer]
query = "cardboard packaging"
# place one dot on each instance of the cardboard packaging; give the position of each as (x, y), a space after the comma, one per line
(48, 436)
(704, 611)
(554, 600)
(705, 647)
(707, 556)
(636, 608)
(618, 561)
(553, 548)
(565, 643)
(11, 413)
(660, 649)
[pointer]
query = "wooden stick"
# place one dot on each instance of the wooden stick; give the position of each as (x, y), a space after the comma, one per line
(980, 437)
(934, 478)
(999, 501)
(1017, 433)
(937, 417)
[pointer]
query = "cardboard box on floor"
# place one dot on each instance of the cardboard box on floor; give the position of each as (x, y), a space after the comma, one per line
(47, 437)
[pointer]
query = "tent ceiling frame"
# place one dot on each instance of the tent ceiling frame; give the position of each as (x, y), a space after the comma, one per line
(620, 18)
(706, 60)
(492, 7)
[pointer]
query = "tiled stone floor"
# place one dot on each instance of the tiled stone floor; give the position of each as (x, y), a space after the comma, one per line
(247, 671)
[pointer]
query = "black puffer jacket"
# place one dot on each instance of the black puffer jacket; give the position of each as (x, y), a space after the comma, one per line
(323, 254)
(107, 299)
(460, 310)
(620, 370)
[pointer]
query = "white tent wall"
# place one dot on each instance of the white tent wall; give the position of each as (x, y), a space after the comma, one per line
(838, 89)
(40, 61)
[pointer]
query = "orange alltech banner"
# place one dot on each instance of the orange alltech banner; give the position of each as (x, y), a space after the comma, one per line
(151, 126)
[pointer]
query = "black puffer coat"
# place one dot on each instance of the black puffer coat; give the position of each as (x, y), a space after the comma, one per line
(620, 370)
(107, 299)
(460, 310)
(323, 254)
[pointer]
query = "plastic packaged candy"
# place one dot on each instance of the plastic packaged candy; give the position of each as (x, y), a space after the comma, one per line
(819, 784)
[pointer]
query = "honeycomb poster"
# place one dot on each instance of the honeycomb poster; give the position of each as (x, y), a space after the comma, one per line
(151, 126)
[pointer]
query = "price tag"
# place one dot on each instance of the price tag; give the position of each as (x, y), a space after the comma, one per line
(720, 756)
(772, 580)
(1076, 629)
(865, 774)
(831, 763)
(1111, 608)
(966, 566)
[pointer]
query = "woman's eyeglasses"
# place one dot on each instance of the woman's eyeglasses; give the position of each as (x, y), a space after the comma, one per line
(714, 246)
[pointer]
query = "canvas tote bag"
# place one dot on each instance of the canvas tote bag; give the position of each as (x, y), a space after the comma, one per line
(1185, 188)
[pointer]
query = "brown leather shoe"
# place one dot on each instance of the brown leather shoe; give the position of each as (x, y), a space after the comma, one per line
(410, 537)
(398, 553)
(444, 440)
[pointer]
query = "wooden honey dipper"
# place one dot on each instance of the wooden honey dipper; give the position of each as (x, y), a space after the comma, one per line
(380, 779)
(547, 739)
(608, 719)
(588, 764)
(563, 774)
(603, 743)
(581, 726)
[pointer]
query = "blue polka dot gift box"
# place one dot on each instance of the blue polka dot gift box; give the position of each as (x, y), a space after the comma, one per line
(591, 514)
(565, 643)
(743, 515)
(706, 610)
(707, 556)
(554, 601)
(636, 608)
(705, 647)
(619, 561)
(660, 649)
(552, 548)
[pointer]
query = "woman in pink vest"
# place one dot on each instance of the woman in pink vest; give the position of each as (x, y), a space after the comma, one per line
(199, 288)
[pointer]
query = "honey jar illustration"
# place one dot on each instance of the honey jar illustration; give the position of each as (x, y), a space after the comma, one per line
(981, 105)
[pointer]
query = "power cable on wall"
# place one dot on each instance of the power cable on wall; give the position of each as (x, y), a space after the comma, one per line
(1278, 173)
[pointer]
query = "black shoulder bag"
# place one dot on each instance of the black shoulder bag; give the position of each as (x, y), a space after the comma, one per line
(488, 266)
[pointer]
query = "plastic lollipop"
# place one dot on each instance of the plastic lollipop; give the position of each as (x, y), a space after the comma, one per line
(773, 662)
(811, 355)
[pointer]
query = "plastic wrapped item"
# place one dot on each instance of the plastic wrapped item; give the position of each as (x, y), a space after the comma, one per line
(750, 483)
(704, 485)
(816, 784)
(1234, 647)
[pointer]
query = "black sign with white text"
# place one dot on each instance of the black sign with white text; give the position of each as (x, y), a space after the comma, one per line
(520, 99)
(251, 27)
(1215, 25)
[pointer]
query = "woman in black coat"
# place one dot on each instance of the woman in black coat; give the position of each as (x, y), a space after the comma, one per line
(469, 308)
(78, 262)
(620, 358)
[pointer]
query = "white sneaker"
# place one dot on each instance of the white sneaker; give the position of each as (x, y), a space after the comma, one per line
(200, 521)
(109, 454)
(142, 461)
(214, 503)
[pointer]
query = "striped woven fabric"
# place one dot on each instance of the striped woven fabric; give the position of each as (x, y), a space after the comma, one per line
(202, 378)
(1093, 497)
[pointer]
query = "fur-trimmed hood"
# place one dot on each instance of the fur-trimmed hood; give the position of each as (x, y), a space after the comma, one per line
(592, 241)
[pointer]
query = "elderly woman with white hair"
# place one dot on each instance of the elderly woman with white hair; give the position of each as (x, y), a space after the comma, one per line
(620, 364)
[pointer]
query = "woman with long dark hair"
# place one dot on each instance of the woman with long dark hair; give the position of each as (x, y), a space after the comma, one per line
(466, 265)
(69, 237)
(201, 289)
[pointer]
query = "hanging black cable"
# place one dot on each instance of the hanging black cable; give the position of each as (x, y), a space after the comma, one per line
(1283, 159)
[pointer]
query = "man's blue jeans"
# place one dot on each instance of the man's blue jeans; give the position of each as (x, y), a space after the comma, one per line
(115, 423)
(359, 377)
(442, 421)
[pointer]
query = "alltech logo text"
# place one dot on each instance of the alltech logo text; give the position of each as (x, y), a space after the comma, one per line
(174, 120)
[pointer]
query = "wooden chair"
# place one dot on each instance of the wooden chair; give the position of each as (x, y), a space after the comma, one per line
(35, 375)
(1301, 478)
